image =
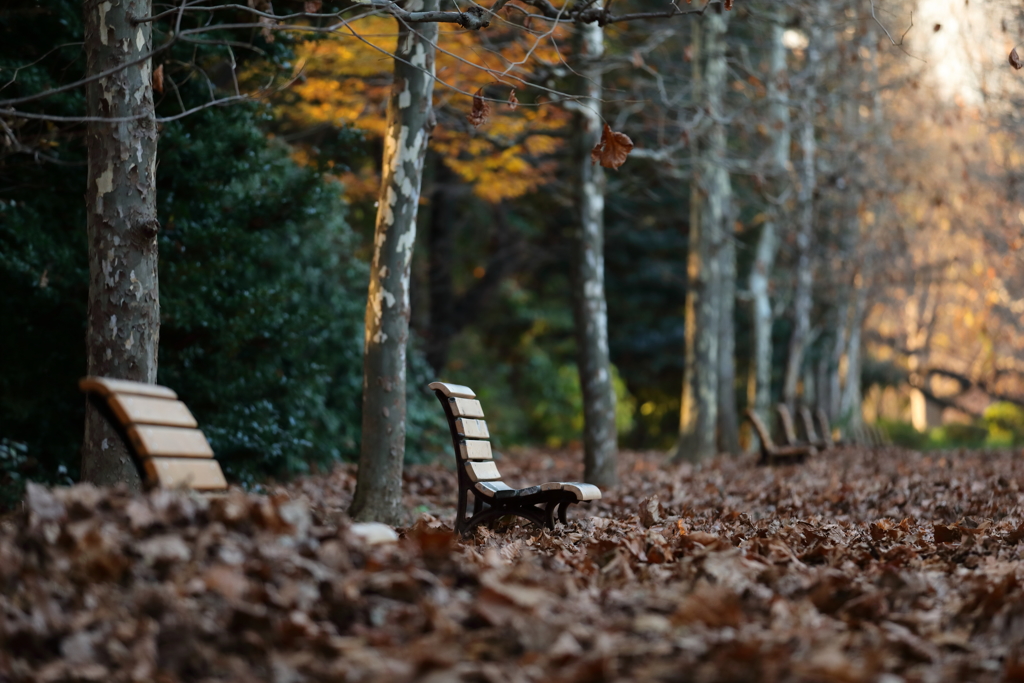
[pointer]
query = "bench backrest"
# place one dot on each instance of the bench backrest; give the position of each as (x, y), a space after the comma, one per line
(762, 430)
(161, 430)
(787, 424)
(475, 459)
(826, 428)
(808, 421)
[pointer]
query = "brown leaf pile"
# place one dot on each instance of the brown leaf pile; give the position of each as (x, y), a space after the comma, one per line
(857, 566)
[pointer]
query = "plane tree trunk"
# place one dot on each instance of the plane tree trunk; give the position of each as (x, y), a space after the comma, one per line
(378, 495)
(600, 436)
(759, 387)
(710, 199)
(804, 276)
(123, 324)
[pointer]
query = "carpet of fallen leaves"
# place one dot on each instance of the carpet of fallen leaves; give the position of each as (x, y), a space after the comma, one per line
(860, 565)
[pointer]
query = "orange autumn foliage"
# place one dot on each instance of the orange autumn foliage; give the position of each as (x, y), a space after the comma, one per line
(346, 80)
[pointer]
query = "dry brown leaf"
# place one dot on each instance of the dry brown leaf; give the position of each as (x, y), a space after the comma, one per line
(612, 150)
(158, 79)
(313, 6)
(513, 101)
(481, 109)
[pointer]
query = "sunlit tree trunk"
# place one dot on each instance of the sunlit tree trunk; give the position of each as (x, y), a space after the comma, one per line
(599, 431)
(123, 329)
(699, 411)
(759, 387)
(802, 294)
(410, 118)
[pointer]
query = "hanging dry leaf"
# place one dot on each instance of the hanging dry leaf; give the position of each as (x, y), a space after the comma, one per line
(1015, 59)
(158, 79)
(481, 110)
(313, 6)
(513, 101)
(612, 150)
(728, 4)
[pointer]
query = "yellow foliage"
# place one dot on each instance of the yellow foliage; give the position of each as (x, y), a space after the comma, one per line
(346, 80)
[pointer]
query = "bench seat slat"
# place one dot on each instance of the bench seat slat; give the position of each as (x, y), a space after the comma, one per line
(199, 474)
(151, 411)
(482, 471)
(476, 450)
(466, 407)
(452, 390)
(495, 489)
(151, 441)
(579, 489)
(105, 387)
(472, 429)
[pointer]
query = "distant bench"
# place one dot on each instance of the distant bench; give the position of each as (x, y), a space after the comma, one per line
(771, 454)
(159, 431)
(478, 474)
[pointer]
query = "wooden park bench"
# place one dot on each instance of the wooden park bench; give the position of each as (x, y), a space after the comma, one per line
(159, 431)
(820, 442)
(789, 430)
(770, 453)
(826, 429)
(478, 474)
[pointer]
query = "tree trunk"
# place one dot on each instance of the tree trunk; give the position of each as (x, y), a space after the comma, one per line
(802, 295)
(759, 387)
(831, 406)
(600, 438)
(123, 328)
(850, 406)
(378, 495)
(699, 410)
(728, 419)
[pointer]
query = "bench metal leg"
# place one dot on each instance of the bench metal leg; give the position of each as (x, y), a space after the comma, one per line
(529, 513)
(561, 511)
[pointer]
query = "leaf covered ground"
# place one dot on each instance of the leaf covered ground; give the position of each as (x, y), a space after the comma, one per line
(860, 565)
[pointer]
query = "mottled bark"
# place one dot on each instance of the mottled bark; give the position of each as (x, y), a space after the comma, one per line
(123, 328)
(699, 410)
(600, 436)
(728, 418)
(802, 293)
(378, 493)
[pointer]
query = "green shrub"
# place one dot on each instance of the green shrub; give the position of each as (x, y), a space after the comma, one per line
(1005, 423)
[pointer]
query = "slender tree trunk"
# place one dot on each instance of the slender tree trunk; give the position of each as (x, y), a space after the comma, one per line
(699, 410)
(410, 118)
(600, 438)
(123, 329)
(759, 388)
(802, 295)
(439, 277)
(728, 419)
(831, 406)
(850, 406)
